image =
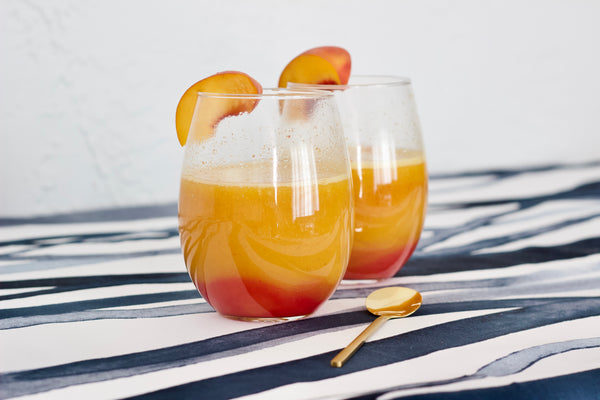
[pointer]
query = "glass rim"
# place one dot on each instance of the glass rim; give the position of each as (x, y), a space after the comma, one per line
(274, 93)
(362, 81)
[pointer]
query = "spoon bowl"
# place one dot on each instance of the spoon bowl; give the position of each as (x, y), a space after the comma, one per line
(395, 302)
(387, 303)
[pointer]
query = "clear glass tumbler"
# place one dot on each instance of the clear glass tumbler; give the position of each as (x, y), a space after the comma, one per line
(265, 204)
(389, 173)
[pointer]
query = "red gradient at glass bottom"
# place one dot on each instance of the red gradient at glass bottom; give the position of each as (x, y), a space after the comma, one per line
(372, 264)
(256, 300)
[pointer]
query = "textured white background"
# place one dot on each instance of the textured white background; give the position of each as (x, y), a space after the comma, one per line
(88, 89)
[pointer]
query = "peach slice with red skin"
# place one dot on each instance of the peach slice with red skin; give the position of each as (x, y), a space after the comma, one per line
(338, 57)
(309, 68)
(214, 110)
(326, 65)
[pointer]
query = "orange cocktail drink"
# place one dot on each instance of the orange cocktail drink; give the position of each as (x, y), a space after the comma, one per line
(390, 200)
(252, 250)
(265, 205)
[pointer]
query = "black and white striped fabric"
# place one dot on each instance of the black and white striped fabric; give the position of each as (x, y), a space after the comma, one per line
(99, 305)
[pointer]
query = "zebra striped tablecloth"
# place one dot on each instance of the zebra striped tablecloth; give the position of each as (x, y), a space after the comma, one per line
(99, 305)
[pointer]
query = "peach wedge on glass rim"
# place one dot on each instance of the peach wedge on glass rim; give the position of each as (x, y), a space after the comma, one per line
(228, 82)
(329, 65)
(338, 57)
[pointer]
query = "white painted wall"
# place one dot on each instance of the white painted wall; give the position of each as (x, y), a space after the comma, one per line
(88, 89)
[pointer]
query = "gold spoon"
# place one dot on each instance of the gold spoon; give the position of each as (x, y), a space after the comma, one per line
(388, 303)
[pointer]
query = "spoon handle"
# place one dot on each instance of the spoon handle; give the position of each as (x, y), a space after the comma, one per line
(349, 350)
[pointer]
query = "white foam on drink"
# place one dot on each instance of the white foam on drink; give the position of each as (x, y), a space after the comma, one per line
(382, 157)
(255, 176)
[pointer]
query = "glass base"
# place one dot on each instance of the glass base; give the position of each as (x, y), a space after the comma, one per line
(266, 319)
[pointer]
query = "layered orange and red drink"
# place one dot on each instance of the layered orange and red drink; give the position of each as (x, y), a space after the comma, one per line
(261, 251)
(390, 198)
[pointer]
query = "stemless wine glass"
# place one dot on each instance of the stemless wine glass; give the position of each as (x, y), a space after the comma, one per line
(383, 132)
(265, 204)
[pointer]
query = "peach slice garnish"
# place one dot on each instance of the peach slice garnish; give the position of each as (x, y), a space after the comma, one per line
(228, 82)
(326, 65)
(309, 68)
(338, 57)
